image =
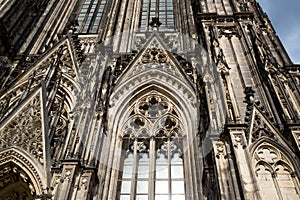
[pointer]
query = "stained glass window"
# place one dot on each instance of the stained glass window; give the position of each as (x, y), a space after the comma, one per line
(90, 15)
(152, 159)
(163, 9)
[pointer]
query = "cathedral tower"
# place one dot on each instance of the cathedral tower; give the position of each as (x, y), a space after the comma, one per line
(146, 99)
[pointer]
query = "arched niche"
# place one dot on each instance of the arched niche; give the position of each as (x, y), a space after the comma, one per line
(21, 175)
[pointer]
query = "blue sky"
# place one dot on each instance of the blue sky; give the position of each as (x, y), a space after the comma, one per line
(285, 18)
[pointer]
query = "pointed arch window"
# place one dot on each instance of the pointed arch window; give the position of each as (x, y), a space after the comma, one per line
(162, 9)
(275, 174)
(90, 15)
(152, 161)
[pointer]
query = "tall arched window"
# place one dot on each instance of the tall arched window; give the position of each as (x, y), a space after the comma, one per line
(162, 9)
(275, 174)
(90, 15)
(152, 159)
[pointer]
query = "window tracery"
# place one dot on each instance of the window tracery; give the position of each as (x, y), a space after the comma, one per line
(275, 174)
(151, 115)
(152, 160)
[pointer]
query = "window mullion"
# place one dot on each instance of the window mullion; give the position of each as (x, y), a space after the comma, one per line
(296, 183)
(148, 15)
(274, 176)
(157, 8)
(134, 172)
(152, 159)
(169, 168)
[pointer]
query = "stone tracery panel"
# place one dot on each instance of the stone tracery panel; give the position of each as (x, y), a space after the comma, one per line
(260, 129)
(153, 115)
(25, 130)
(275, 173)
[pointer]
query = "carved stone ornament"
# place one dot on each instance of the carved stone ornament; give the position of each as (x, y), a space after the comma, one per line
(154, 55)
(68, 175)
(261, 127)
(15, 182)
(152, 70)
(25, 130)
(155, 22)
(152, 115)
(238, 139)
(272, 158)
(84, 181)
(15, 159)
(228, 31)
(220, 150)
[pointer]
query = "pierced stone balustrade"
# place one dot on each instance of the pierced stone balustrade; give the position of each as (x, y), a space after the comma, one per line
(88, 43)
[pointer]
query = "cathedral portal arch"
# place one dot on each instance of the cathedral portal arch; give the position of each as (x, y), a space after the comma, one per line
(20, 174)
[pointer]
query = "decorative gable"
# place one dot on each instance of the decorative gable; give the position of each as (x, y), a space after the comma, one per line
(154, 65)
(260, 127)
(23, 128)
(155, 55)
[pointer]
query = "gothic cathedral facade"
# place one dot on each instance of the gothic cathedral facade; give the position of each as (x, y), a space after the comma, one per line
(146, 99)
